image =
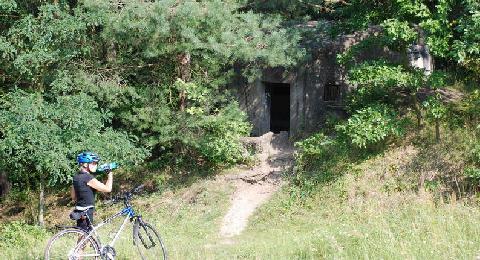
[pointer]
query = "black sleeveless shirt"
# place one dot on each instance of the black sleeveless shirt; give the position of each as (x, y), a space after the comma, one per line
(84, 193)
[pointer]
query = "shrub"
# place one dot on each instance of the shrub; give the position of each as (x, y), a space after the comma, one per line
(18, 234)
(220, 143)
(370, 126)
(380, 82)
(41, 138)
(314, 146)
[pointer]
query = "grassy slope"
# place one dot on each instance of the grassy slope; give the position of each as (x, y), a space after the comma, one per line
(370, 211)
(357, 216)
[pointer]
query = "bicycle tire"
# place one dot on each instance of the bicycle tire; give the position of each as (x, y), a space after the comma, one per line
(63, 244)
(148, 242)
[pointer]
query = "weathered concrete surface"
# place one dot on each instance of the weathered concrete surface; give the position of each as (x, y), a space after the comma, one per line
(308, 109)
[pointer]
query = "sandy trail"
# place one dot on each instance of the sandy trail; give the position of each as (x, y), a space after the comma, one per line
(255, 186)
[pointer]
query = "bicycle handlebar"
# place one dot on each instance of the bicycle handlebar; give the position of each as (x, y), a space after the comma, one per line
(125, 196)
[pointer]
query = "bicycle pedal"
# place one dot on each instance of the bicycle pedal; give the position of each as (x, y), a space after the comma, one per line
(108, 253)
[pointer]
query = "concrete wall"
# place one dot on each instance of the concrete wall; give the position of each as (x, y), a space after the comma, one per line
(308, 109)
(307, 82)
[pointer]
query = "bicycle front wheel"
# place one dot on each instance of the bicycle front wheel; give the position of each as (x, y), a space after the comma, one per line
(72, 244)
(148, 242)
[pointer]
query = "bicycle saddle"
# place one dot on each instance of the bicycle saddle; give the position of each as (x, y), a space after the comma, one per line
(78, 214)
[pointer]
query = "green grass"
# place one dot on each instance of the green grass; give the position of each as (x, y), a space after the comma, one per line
(188, 220)
(325, 228)
(373, 209)
(329, 228)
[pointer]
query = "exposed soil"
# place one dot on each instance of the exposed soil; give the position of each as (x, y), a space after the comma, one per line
(255, 186)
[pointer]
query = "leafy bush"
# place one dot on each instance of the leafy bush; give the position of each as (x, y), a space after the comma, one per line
(41, 138)
(209, 126)
(379, 81)
(220, 143)
(435, 109)
(314, 146)
(370, 126)
(473, 173)
(18, 234)
(468, 109)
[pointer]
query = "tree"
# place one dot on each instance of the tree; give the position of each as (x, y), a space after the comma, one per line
(40, 138)
(198, 42)
(466, 48)
(35, 45)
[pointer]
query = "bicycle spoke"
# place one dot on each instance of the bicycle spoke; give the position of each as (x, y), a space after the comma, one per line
(71, 244)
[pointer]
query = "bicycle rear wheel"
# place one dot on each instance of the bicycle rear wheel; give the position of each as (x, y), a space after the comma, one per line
(148, 242)
(71, 244)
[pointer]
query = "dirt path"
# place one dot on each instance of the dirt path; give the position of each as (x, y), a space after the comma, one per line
(255, 186)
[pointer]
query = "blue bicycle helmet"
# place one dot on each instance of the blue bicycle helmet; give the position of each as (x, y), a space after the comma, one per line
(87, 157)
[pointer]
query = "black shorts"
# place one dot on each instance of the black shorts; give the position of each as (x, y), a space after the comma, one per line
(84, 223)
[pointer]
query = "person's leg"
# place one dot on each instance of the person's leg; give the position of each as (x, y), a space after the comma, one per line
(85, 223)
(82, 223)
(89, 220)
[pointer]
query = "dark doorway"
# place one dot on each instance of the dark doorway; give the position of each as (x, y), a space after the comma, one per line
(279, 104)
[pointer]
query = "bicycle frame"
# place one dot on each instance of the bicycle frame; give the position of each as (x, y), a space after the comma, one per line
(129, 214)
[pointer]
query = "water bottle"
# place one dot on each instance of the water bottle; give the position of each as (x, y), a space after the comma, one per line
(107, 167)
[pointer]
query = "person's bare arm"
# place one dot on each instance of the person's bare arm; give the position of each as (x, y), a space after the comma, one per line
(72, 194)
(107, 187)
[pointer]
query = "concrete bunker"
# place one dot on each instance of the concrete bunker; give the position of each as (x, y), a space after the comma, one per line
(299, 99)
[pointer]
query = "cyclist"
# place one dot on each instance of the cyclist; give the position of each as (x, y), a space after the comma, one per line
(85, 186)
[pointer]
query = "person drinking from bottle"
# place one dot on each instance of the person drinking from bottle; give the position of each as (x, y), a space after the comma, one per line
(85, 185)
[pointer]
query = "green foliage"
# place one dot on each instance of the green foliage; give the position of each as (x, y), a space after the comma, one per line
(313, 9)
(214, 33)
(316, 161)
(211, 124)
(349, 57)
(379, 81)
(41, 138)
(435, 109)
(7, 6)
(398, 31)
(381, 74)
(370, 126)
(102, 76)
(359, 14)
(467, 111)
(18, 234)
(473, 173)
(476, 154)
(466, 48)
(401, 19)
(314, 145)
(221, 132)
(53, 38)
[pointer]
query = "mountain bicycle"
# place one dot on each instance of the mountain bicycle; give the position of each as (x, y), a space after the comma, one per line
(74, 243)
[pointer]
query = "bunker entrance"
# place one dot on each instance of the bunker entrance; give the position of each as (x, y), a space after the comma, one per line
(279, 103)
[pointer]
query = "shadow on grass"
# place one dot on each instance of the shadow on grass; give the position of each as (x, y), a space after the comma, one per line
(337, 159)
(168, 172)
(440, 166)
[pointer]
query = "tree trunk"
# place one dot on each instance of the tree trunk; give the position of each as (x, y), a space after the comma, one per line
(418, 110)
(111, 52)
(41, 203)
(184, 73)
(437, 131)
(4, 184)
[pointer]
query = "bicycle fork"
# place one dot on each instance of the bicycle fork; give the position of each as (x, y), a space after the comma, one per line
(140, 224)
